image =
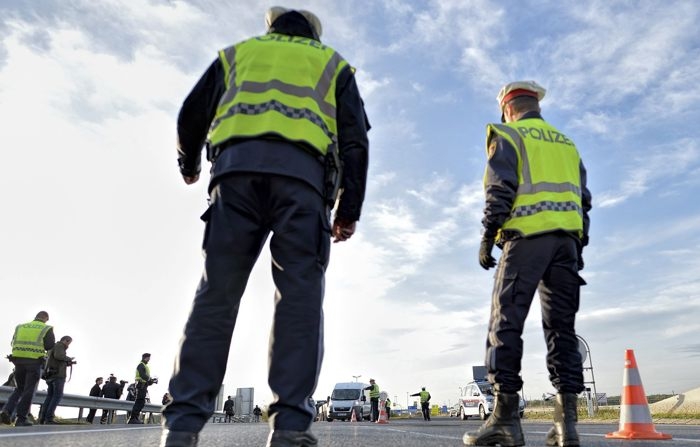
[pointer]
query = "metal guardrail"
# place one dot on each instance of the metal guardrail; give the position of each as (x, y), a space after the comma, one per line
(83, 402)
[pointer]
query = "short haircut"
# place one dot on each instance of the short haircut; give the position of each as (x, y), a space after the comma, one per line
(42, 314)
(98, 379)
(522, 104)
(67, 338)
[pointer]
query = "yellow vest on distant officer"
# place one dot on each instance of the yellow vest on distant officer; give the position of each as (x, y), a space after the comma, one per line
(374, 392)
(280, 86)
(138, 375)
(28, 341)
(549, 178)
(424, 396)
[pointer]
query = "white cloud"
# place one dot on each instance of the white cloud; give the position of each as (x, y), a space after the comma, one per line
(651, 171)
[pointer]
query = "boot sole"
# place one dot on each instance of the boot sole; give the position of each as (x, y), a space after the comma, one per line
(471, 440)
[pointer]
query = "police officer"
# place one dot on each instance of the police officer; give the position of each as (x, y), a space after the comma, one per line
(276, 110)
(143, 381)
(424, 403)
(30, 343)
(373, 399)
(537, 206)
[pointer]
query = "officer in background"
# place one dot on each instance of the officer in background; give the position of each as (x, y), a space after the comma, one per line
(373, 389)
(537, 206)
(424, 403)
(143, 381)
(283, 113)
(95, 391)
(30, 343)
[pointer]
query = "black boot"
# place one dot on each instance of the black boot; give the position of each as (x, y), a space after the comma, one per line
(291, 438)
(502, 427)
(563, 434)
(178, 439)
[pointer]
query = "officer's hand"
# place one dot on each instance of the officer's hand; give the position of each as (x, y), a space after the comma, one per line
(191, 179)
(580, 257)
(342, 230)
(485, 259)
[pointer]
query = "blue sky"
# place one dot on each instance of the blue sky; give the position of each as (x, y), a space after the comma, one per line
(100, 230)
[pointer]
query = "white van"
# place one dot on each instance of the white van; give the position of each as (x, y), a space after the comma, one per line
(345, 397)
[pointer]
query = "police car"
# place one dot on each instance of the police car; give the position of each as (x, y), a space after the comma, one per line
(477, 400)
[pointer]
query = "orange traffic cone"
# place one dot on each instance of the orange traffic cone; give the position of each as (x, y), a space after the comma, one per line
(353, 418)
(383, 419)
(635, 418)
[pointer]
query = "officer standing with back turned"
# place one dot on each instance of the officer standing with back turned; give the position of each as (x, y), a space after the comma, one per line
(281, 114)
(30, 343)
(537, 206)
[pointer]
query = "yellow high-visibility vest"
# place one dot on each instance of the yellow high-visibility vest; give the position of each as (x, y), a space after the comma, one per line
(374, 392)
(28, 341)
(549, 178)
(148, 372)
(279, 86)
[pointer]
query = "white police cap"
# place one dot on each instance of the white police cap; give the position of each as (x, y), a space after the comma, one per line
(520, 88)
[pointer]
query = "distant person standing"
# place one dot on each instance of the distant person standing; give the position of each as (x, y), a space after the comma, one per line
(424, 403)
(56, 366)
(387, 407)
(228, 409)
(111, 390)
(373, 399)
(143, 381)
(30, 343)
(536, 211)
(281, 114)
(257, 412)
(95, 391)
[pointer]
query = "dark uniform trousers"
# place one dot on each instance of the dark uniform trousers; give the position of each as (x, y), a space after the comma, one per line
(27, 375)
(244, 209)
(140, 402)
(547, 264)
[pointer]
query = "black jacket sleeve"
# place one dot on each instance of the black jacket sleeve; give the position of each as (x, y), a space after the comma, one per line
(500, 184)
(586, 203)
(49, 340)
(195, 117)
(353, 145)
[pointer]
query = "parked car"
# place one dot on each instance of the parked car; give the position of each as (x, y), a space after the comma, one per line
(454, 410)
(477, 400)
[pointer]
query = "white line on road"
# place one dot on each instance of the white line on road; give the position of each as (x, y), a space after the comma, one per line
(601, 435)
(14, 434)
(427, 435)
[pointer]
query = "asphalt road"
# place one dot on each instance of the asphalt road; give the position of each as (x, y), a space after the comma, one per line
(407, 432)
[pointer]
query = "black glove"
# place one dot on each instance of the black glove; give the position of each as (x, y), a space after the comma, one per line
(485, 259)
(579, 253)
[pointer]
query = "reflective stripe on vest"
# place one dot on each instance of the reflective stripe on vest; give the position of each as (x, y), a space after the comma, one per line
(292, 97)
(28, 341)
(374, 392)
(148, 372)
(549, 181)
(424, 396)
